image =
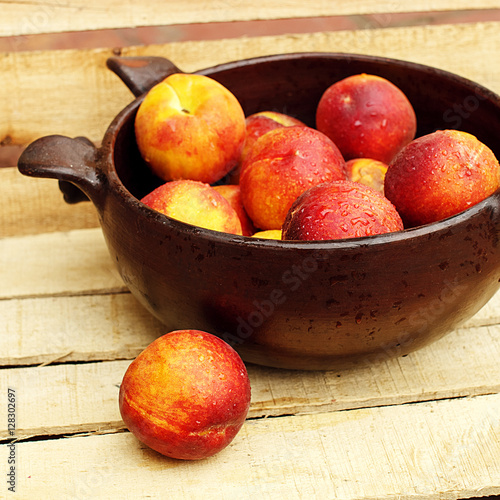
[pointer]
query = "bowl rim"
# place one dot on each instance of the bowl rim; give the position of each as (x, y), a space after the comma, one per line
(219, 237)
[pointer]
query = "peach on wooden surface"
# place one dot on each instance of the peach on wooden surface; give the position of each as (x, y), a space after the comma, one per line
(195, 203)
(439, 175)
(367, 171)
(338, 210)
(186, 395)
(232, 193)
(190, 127)
(281, 165)
(367, 116)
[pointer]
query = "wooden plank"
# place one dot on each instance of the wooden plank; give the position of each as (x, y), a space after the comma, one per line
(65, 398)
(77, 95)
(28, 18)
(465, 363)
(76, 328)
(61, 263)
(32, 206)
(438, 450)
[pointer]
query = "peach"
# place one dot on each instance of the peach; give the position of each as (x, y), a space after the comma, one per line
(195, 203)
(439, 175)
(186, 395)
(366, 116)
(269, 234)
(232, 193)
(257, 124)
(282, 164)
(367, 171)
(190, 127)
(341, 209)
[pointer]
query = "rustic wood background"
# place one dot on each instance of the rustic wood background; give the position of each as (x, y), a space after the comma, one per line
(422, 426)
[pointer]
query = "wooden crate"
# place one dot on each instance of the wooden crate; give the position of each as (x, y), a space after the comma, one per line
(422, 426)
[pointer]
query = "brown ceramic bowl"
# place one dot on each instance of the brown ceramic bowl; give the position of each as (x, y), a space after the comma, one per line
(304, 305)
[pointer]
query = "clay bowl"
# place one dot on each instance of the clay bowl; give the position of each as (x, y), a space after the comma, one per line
(299, 305)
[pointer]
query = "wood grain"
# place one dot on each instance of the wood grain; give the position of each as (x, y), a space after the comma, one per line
(77, 95)
(391, 452)
(33, 206)
(73, 262)
(38, 16)
(75, 328)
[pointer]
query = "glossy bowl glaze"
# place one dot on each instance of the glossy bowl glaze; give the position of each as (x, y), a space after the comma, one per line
(303, 305)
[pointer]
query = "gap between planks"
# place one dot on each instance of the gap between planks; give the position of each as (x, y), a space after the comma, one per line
(29, 18)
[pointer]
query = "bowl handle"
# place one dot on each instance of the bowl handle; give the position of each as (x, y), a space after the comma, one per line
(71, 161)
(141, 73)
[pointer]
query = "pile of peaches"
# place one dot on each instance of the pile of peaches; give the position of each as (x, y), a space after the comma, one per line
(361, 171)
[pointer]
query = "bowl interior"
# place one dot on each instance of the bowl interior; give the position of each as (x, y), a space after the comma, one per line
(294, 84)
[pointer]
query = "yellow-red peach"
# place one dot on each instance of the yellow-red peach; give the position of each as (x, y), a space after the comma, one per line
(338, 210)
(190, 127)
(269, 234)
(195, 203)
(439, 175)
(257, 124)
(186, 395)
(366, 116)
(232, 193)
(282, 164)
(367, 171)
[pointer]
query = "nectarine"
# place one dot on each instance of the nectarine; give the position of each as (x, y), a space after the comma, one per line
(269, 234)
(367, 171)
(194, 203)
(281, 165)
(257, 124)
(232, 193)
(186, 395)
(366, 116)
(337, 210)
(190, 127)
(439, 175)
